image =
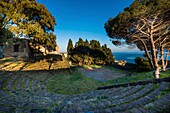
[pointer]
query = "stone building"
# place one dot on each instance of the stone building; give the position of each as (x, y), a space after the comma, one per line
(23, 48)
(17, 49)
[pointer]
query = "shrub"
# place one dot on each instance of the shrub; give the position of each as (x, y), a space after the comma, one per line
(142, 64)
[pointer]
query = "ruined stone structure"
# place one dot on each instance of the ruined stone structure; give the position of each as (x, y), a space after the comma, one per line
(17, 49)
(23, 48)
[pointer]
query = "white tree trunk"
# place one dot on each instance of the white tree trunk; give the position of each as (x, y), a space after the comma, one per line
(156, 73)
(154, 55)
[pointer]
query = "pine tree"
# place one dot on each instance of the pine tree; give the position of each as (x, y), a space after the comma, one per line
(144, 24)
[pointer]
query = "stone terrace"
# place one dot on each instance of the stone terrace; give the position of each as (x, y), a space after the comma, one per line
(26, 92)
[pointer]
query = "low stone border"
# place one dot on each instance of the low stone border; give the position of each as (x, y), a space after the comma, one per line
(136, 83)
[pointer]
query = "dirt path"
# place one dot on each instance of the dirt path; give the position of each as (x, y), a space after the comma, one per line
(101, 74)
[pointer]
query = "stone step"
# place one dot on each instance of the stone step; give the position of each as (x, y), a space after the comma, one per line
(159, 105)
(5, 109)
(4, 80)
(143, 100)
(11, 82)
(32, 101)
(96, 103)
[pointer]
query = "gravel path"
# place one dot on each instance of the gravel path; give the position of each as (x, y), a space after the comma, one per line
(101, 74)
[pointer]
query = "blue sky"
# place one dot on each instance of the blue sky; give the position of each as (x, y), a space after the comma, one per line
(85, 19)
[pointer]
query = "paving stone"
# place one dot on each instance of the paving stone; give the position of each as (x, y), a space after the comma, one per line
(143, 110)
(135, 110)
(5, 109)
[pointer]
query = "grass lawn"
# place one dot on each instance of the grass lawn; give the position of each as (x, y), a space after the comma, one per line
(72, 84)
(78, 83)
(137, 76)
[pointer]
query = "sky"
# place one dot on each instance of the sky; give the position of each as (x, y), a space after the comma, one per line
(85, 19)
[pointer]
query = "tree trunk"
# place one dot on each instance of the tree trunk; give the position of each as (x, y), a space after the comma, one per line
(147, 54)
(156, 73)
(154, 55)
(27, 47)
(164, 61)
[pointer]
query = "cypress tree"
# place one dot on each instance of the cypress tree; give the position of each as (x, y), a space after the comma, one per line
(70, 46)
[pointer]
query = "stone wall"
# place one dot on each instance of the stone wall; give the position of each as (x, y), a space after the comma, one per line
(19, 49)
(9, 50)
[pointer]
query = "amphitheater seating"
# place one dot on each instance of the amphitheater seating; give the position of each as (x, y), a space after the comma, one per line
(26, 91)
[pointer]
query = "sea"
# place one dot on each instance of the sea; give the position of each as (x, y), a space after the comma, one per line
(129, 56)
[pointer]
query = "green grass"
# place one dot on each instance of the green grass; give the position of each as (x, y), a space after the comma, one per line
(78, 83)
(72, 84)
(165, 74)
(137, 76)
(9, 59)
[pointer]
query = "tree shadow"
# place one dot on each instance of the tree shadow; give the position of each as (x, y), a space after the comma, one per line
(35, 73)
(29, 64)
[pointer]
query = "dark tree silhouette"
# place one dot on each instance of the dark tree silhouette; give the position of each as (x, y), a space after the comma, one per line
(69, 46)
(92, 54)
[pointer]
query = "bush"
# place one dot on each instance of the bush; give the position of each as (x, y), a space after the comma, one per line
(142, 64)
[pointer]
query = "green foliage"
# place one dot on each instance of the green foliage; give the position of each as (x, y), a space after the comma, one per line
(86, 43)
(70, 46)
(94, 44)
(142, 64)
(144, 24)
(93, 54)
(80, 42)
(108, 53)
(5, 36)
(28, 18)
(123, 24)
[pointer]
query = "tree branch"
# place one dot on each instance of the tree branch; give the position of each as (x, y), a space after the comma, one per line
(145, 48)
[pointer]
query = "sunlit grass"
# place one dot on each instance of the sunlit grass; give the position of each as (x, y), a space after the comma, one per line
(91, 66)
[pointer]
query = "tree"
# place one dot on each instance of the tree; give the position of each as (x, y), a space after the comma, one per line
(80, 42)
(29, 19)
(109, 56)
(93, 54)
(5, 36)
(86, 43)
(146, 24)
(94, 44)
(70, 46)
